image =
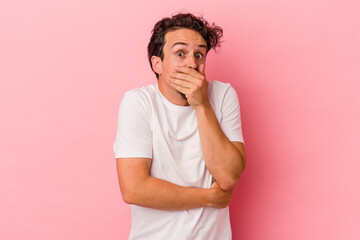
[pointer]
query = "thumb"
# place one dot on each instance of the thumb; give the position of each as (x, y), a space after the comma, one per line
(202, 69)
(215, 185)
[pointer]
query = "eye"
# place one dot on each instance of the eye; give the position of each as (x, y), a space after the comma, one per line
(198, 55)
(180, 54)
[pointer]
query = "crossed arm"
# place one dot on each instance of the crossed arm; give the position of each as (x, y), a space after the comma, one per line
(224, 159)
(138, 188)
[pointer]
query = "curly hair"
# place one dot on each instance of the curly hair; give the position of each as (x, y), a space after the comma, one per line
(211, 33)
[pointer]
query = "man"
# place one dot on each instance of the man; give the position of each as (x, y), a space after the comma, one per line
(179, 147)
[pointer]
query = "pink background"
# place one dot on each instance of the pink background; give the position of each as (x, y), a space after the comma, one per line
(64, 66)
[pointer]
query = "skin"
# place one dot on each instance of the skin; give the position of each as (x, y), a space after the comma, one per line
(183, 82)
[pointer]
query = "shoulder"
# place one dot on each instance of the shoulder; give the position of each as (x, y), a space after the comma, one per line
(142, 92)
(142, 95)
(220, 90)
(138, 101)
(219, 85)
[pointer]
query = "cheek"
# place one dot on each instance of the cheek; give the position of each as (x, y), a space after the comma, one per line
(175, 58)
(167, 70)
(172, 61)
(172, 64)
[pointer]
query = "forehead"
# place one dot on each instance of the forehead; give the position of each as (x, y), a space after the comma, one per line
(183, 35)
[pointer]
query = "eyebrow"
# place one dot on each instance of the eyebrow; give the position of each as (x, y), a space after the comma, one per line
(182, 43)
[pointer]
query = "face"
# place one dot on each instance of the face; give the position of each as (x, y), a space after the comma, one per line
(183, 47)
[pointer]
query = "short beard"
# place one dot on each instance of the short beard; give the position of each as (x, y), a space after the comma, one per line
(183, 96)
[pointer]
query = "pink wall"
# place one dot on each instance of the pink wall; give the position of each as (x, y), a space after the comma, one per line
(64, 66)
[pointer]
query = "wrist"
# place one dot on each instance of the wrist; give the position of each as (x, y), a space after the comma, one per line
(203, 108)
(211, 197)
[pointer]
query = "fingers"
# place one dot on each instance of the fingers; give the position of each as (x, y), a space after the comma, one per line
(184, 82)
(221, 198)
(185, 77)
(191, 83)
(191, 71)
(179, 87)
(202, 69)
(215, 185)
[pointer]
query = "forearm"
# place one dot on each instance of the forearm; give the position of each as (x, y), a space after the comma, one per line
(222, 158)
(160, 194)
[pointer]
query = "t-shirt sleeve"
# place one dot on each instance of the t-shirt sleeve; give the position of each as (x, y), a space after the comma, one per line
(231, 118)
(134, 135)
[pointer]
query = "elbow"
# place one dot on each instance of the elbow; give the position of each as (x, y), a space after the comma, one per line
(129, 195)
(228, 184)
(133, 192)
(230, 181)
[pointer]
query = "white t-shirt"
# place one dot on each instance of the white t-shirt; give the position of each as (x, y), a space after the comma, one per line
(149, 126)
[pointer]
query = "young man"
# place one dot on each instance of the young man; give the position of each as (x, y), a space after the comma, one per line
(179, 146)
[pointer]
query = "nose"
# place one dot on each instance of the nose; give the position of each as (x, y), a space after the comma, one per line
(191, 62)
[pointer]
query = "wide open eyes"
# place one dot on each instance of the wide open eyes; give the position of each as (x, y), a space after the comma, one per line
(181, 54)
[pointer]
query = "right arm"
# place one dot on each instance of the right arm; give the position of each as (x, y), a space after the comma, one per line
(139, 188)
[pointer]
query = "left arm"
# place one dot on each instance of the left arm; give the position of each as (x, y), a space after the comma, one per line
(224, 159)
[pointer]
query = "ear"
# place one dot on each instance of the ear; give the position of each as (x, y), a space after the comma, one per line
(156, 64)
